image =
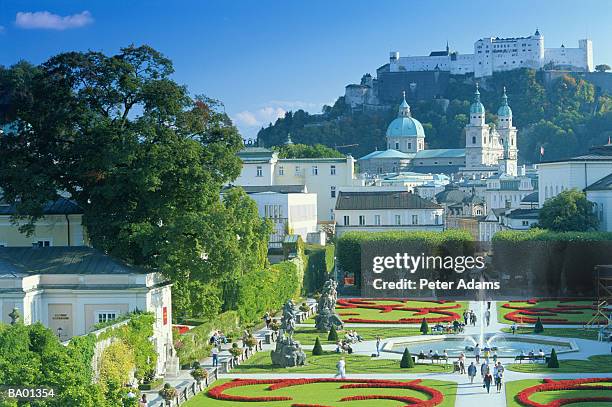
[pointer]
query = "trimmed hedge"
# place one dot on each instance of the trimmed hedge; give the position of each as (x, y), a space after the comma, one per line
(547, 235)
(349, 244)
(319, 266)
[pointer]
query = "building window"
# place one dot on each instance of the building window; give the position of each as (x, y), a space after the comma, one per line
(332, 192)
(397, 145)
(259, 171)
(398, 220)
(105, 316)
(42, 243)
(409, 146)
(525, 223)
(281, 170)
(415, 219)
(473, 139)
(377, 220)
(346, 220)
(297, 170)
(437, 219)
(361, 220)
(332, 170)
(315, 170)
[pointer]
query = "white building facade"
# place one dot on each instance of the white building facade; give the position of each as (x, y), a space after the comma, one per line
(321, 176)
(386, 210)
(495, 54)
(70, 289)
(291, 209)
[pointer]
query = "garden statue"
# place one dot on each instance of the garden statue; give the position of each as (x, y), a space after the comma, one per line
(327, 316)
(288, 351)
(14, 315)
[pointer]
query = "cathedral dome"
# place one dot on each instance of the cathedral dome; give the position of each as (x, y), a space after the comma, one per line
(405, 125)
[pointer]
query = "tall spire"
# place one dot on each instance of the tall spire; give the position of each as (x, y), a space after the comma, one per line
(504, 110)
(447, 48)
(477, 94)
(504, 98)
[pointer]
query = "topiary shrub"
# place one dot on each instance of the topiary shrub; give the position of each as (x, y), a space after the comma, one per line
(538, 328)
(333, 334)
(553, 362)
(317, 350)
(406, 362)
(424, 327)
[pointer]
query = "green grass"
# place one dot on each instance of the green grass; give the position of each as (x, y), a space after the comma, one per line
(595, 364)
(307, 336)
(513, 388)
(578, 319)
(559, 332)
(326, 363)
(327, 394)
(376, 314)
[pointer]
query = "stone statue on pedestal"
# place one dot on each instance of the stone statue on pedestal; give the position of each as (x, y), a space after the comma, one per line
(326, 314)
(288, 352)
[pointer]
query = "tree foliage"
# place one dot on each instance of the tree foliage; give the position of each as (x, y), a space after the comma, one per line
(144, 160)
(317, 350)
(568, 211)
(307, 151)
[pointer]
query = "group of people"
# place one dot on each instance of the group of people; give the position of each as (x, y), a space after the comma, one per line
(344, 346)
(352, 336)
(456, 327)
(469, 317)
(433, 355)
(532, 355)
(487, 352)
(217, 339)
(488, 377)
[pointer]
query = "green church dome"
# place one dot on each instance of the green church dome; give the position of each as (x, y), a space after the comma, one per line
(477, 107)
(405, 125)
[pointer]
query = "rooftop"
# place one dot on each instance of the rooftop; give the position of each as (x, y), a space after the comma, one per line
(281, 189)
(441, 153)
(61, 260)
(382, 200)
(604, 184)
(61, 206)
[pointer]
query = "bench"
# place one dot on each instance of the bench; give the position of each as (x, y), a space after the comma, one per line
(433, 358)
(533, 358)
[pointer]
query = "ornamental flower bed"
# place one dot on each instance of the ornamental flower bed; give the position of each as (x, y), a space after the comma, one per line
(433, 397)
(529, 315)
(365, 303)
(523, 397)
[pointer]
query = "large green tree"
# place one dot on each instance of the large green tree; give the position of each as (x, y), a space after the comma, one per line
(568, 211)
(144, 159)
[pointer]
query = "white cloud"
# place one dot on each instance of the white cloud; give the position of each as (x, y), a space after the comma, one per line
(259, 117)
(49, 21)
(250, 121)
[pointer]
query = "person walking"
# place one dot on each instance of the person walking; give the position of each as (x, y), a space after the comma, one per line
(477, 353)
(461, 363)
(499, 375)
(215, 356)
(513, 328)
(341, 367)
(488, 317)
(471, 371)
(378, 343)
(143, 401)
(487, 381)
(466, 316)
(484, 369)
(267, 319)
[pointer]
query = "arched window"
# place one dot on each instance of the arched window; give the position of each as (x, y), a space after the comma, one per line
(473, 139)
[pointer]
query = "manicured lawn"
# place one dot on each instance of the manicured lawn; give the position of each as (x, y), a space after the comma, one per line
(328, 394)
(595, 364)
(307, 336)
(545, 397)
(384, 311)
(559, 332)
(551, 310)
(326, 363)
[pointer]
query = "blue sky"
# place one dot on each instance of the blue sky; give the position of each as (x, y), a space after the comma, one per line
(264, 57)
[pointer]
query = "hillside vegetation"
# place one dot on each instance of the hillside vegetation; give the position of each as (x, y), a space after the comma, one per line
(565, 116)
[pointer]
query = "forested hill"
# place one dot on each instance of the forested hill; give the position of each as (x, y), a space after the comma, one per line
(565, 116)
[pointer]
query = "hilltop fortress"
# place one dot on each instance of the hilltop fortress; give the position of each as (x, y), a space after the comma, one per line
(426, 77)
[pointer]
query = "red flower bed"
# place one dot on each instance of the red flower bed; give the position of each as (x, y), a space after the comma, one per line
(530, 315)
(555, 385)
(367, 303)
(435, 396)
(182, 328)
